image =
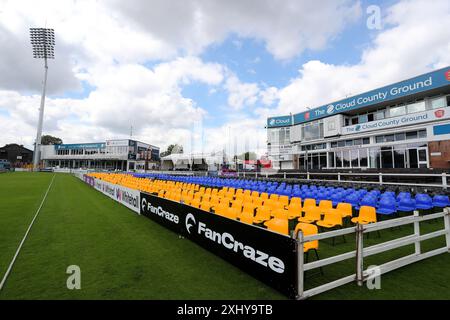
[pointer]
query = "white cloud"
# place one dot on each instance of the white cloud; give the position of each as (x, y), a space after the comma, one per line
(416, 39)
(138, 55)
(241, 94)
(286, 29)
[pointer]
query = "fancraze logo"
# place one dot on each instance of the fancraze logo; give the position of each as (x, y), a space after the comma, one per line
(227, 240)
(147, 207)
(190, 222)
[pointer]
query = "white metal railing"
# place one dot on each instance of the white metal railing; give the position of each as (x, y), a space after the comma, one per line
(362, 252)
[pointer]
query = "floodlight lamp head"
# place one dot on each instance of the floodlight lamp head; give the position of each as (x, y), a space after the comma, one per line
(43, 42)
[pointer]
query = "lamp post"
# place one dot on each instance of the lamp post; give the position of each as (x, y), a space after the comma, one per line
(43, 42)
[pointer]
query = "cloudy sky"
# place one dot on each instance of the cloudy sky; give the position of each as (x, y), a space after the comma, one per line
(205, 74)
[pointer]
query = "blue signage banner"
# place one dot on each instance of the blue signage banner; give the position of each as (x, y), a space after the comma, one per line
(80, 146)
(432, 80)
(425, 82)
(281, 121)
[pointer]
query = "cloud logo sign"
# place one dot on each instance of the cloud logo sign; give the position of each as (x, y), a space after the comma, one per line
(190, 222)
(330, 109)
(357, 128)
(272, 122)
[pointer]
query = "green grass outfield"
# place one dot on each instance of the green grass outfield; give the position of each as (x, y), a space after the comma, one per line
(126, 256)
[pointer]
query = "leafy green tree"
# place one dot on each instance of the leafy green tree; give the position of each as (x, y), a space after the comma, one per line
(48, 139)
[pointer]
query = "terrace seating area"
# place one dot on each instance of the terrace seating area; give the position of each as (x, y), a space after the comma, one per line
(278, 206)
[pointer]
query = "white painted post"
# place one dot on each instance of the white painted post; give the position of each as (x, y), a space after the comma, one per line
(447, 227)
(380, 178)
(359, 254)
(300, 263)
(444, 180)
(307, 176)
(267, 175)
(284, 175)
(417, 233)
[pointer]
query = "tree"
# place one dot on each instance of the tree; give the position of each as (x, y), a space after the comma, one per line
(172, 148)
(48, 139)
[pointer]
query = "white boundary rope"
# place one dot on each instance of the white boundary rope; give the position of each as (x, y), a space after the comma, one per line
(5, 277)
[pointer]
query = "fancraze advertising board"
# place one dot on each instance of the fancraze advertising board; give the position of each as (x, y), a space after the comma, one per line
(268, 256)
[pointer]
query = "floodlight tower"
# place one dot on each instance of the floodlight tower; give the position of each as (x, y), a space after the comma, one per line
(43, 42)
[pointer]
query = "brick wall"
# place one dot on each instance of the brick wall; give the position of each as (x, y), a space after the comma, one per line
(439, 161)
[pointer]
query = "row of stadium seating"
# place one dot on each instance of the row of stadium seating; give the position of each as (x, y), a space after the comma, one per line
(387, 202)
(272, 211)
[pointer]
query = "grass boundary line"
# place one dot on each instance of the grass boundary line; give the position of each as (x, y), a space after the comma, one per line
(8, 271)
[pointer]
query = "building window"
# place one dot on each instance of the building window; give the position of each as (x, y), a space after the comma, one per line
(312, 130)
(416, 107)
(380, 115)
(397, 111)
(363, 118)
(400, 136)
(422, 133)
(331, 159)
(411, 135)
(386, 158)
(438, 103)
(363, 158)
(339, 159)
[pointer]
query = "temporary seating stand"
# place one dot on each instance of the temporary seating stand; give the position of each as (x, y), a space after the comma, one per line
(362, 252)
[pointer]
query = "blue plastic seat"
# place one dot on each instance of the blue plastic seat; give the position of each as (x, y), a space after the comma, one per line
(423, 201)
(387, 206)
(369, 201)
(441, 201)
(406, 204)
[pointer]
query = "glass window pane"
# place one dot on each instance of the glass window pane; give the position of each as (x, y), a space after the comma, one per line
(331, 159)
(399, 158)
(339, 159)
(323, 160)
(346, 158)
(315, 161)
(411, 135)
(422, 155)
(380, 115)
(341, 143)
(397, 111)
(416, 107)
(389, 138)
(370, 117)
(366, 141)
(355, 120)
(362, 118)
(334, 144)
(386, 159)
(354, 158)
(438, 103)
(363, 158)
(348, 143)
(422, 133)
(400, 136)
(379, 139)
(357, 142)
